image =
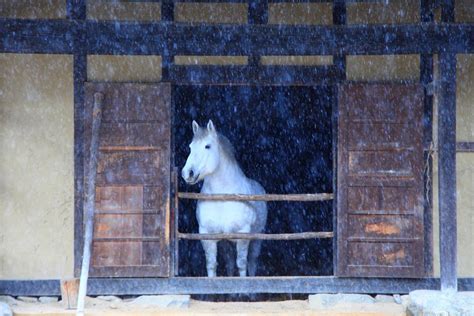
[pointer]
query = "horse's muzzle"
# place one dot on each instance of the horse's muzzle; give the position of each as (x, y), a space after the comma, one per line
(190, 177)
(192, 180)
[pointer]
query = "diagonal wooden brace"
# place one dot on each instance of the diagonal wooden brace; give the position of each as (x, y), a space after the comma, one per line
(90, 200)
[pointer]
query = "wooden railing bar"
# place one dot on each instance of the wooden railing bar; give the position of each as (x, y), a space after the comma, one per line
(247, 236)
(294, 236)
(129, 148)
(257, 197)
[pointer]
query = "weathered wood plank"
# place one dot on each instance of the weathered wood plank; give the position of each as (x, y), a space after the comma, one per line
(106, 37)
(90, 200)
(203, 285)
(257, 197)
(254, 236)
(447, 171)
(465, 147)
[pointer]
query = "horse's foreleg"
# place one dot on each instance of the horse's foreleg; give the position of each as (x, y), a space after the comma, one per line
(242, 252)
(254, 252)
(210, 250)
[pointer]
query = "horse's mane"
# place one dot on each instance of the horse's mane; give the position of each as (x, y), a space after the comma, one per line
(226, 146)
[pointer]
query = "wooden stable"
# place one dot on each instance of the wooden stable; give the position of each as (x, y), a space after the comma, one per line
(380, 239)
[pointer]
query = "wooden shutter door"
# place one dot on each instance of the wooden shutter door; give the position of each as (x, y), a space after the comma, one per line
(380, 181)
(131, 223)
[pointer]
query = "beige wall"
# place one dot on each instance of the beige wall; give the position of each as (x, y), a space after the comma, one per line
(300, 13)
(123, 10)
(211, 12)
(36, 166)
(465, 98)
(378, 12)
(33, 9)
(123, 68)
(383, 68)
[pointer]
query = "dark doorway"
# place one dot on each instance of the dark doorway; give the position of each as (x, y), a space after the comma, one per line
(283, 138)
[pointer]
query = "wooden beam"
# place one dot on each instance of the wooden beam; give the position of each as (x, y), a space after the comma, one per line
(426, 79)
(465, 147)
(257, 197)
(254, 236)
(339, 17)
(281, 75)
(90, 200)
(447, 11)
(76, 9)
(258, 11)
(204, 285)
(76, 15)
(447, 171)
(135, 38)
(167, 10)
(167, 15)
(447, 160)
(427, 10)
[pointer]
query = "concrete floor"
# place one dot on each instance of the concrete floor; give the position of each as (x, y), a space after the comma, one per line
(211, 308)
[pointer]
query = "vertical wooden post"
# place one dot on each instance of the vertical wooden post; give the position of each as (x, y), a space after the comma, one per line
(174, 222)
(426, 79)
(339, 17)
(167, 15)
(257, 14)
(76, 11)
(447, 161)
(90, 200)
(447, 171)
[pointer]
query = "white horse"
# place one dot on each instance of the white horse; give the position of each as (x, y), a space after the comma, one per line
(212, 160)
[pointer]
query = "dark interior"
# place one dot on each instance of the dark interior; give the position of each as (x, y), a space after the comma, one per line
(283, 138)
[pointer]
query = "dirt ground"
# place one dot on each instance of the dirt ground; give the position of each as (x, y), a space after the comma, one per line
(294, 307)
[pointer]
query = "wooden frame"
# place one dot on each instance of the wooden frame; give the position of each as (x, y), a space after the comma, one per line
(125, 38)
(221, 285)
(80, 37)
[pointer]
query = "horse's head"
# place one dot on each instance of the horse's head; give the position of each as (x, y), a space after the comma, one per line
(204, 156)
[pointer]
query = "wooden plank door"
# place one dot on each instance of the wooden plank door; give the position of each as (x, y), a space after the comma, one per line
(131, 223)
(380, 181)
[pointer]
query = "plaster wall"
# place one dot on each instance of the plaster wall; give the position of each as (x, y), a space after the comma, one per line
(36, 166)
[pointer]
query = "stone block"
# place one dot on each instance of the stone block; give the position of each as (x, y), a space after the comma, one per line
(323, 301)
(27, 299)
(427, 302)
(10, 300)
(397, 298)
(109, 298)
(48, 299)
(5, 310)
(384, 298)
(163, 301)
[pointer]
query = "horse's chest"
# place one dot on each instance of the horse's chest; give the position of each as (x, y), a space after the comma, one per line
(216, 217)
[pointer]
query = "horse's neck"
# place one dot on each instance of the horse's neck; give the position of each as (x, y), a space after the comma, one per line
(227, 178)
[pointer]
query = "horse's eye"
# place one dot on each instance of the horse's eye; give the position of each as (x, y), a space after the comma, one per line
(208, 146)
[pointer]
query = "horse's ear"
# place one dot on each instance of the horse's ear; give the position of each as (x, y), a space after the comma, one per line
(210, 127)
(195, 127)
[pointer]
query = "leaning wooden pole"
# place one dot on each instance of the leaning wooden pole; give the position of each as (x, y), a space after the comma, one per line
(90, 200)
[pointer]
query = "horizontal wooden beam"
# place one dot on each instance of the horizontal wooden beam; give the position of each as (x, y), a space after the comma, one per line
(253, 236)
(123, 38)
(281, 75)
(465, 147)
(222, 285)
(257, 197)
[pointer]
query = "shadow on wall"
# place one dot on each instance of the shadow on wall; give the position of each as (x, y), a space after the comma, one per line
(283, 139)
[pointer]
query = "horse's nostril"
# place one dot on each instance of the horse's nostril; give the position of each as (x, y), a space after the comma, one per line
(191, 173)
